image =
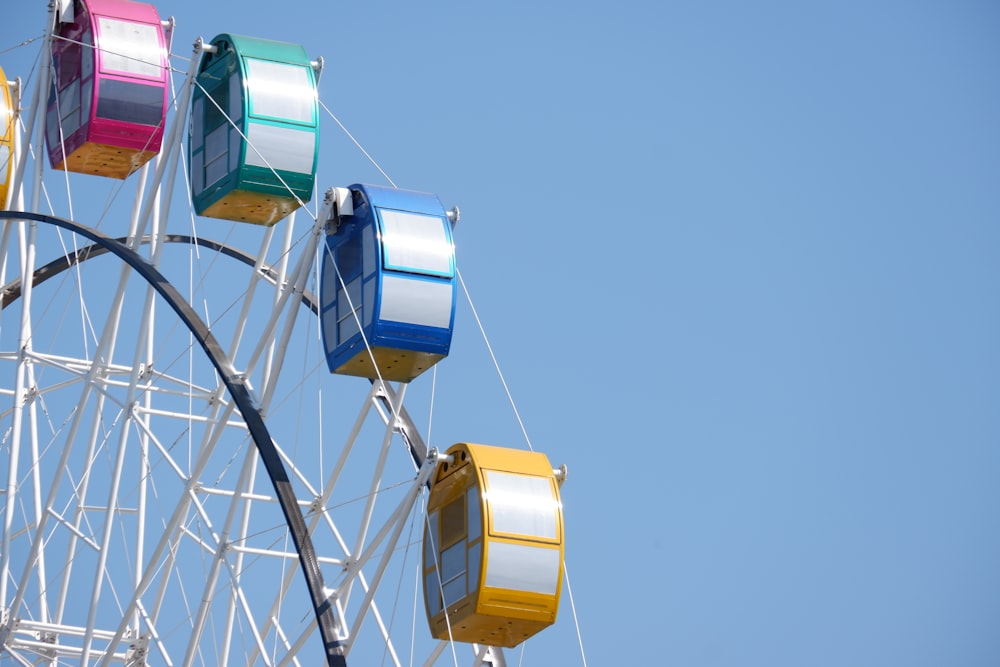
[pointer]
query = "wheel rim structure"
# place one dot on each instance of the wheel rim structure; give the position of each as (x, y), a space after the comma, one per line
(152, 439)
(247, 406)
(140, 524)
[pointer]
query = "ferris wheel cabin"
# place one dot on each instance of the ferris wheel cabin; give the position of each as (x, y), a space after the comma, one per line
(493, 546)
(254, 132)
(388, 285)
(108, 98)
(6, 138)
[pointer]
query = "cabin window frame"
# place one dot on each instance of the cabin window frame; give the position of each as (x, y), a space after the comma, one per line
(130, 85)
(69, 65)
(215, 124)
(506, 521)
(263, 102)
(401, 231)
(68, 88)
(142, 54)
(283, 143)
(453, 578)
(4, 166)
(129, 101)
(348, 262)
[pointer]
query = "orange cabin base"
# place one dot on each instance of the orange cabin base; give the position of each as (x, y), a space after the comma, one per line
(394, 364)
(497, 619)
(253, 207)
(104, 160)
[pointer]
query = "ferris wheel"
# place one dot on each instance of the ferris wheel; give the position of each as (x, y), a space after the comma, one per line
(207, 455)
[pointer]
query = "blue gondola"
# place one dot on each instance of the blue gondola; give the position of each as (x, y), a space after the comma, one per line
(389, 274)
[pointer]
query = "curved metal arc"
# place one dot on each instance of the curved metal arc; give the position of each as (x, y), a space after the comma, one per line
(12, 291)
(245, 402)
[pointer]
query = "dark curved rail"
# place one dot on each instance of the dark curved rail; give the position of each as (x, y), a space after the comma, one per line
(12, 292)
(241, 394)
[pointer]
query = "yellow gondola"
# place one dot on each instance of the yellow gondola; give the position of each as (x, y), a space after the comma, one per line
(6, 138)
(493, 546)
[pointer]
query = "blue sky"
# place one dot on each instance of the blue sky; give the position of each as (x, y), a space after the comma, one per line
(739, 265)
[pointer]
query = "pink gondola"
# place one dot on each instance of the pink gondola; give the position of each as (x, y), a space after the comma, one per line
(108, 99)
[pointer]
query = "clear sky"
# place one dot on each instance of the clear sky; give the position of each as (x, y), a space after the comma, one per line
(739, 263)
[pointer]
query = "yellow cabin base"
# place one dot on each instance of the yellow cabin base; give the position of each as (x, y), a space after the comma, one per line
(253, 207)
(493, 624)
(393, 363)
(105, 160)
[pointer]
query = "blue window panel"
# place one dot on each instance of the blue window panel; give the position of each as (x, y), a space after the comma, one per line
(454, 590)
(430, 545)
(330, 281)
(433, 592)
(87, 64)
(453, 561)
(197, 123)
(130, 102)
(369, 298)
(69, 107)
(85, 98)
(414, 301)
(235, 143)
(368, 250)
(349, 309)
(235, 99)
(216, 149)
(329, 329)
(52, 126)
(416, 243)
(475, 518)
(4, 158)
(348, 258)
(197, 174)
(475, 558)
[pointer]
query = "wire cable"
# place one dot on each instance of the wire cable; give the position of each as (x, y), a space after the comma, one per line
(576, 621)
(493, 356)
(358, 144)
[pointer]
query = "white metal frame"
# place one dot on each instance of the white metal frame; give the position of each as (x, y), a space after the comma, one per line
(115, 496)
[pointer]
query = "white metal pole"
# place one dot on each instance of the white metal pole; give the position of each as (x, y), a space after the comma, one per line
(397, 521)
(373, 490)
(27, 268)
(198, 625)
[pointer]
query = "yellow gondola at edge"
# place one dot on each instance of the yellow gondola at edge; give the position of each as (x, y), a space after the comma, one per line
(493, 546)
(6, 137)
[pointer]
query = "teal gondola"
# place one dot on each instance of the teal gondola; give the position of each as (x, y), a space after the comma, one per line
(254, 133)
